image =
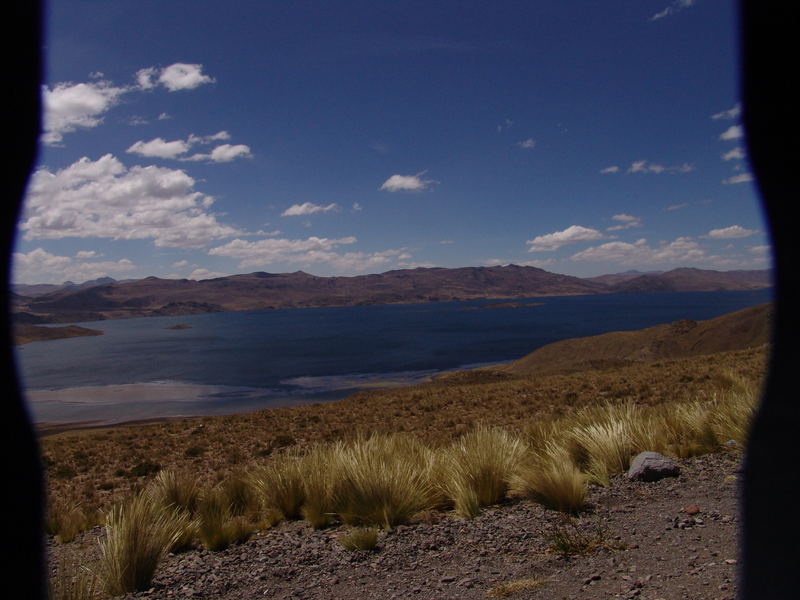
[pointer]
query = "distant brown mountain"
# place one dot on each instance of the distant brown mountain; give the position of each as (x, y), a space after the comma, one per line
(746, 328)
(694, 280)
(153, 296)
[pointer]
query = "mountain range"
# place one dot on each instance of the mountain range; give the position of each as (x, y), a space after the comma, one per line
(152, 296)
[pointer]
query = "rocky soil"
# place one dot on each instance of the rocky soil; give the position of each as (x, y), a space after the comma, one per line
(671, 539)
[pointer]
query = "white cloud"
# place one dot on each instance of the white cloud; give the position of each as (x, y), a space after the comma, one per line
(740, 178)
(734, 154)
(407, 183)
(681, 250)
(69, 106)
(308, 208)
(673, 8)
(570, 235)
(40, 266)
(732, 113)
(183, 76)
(310, 251)
(734, 132)
(179, 264)
(84, 254)
(529, 143)
(159, 148)
(611, 169)
(223, 153)
(199, 274)
(356, 207)
(105, 199)
(643, 166)
(732, 232)
(625, 222)
(677, 206)
(506, 124)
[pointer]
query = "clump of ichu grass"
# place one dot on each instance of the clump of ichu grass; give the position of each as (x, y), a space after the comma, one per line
(72, 581)
(177, 489)
(217, 527)
(280, 484)
(320, 467)
(382, 480)
(362, 539)
(65, 522)
(139, 532)
(475, 471)
(548, 476)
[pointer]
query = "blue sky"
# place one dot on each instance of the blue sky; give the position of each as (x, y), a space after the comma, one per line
(205, 138)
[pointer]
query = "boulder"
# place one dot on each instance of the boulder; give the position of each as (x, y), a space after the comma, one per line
(652, 466)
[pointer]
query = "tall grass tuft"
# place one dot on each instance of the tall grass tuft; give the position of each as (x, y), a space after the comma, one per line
(549, 477)
(382, 480)
(177, 489)
(139, 532)
(72, 581)
(65, 522)
(217, 528)
(362, 539)
(280, 484)
(320, 467)
(475, 471)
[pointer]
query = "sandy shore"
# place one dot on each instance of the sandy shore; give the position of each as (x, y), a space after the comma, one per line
(97, 406)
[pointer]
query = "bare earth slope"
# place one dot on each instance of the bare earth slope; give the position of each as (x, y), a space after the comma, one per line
(746, 328)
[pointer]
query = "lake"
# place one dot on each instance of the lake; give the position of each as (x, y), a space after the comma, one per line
(242, 361)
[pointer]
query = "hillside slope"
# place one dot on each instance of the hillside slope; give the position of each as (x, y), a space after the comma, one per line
(746, 328)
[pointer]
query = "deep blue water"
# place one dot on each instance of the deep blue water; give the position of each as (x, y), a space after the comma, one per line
(326, 352)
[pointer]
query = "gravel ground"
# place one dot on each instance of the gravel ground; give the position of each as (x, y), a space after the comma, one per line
(672, 539)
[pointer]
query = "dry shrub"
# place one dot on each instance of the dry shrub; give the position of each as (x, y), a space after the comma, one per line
(139, 532)
(549, 477)
(362, 539)
(65, 521)
(504, 590)
(72, 581)
(475, 471)
(382, 480)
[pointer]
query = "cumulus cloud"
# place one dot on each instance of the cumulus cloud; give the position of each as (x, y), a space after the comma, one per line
(407, 183)
(309, 251)
(308, 208)
(69, 106)
(732, 113)
(40, 266)
(178, 76)
(625, 222)
(732, 232)
(643, 166)
(84, 254)
(105, 199)
(529, 143)
(681, 250)
(159, 148)
(611, 169)
(224, 153)
(734, 132)
(734, 154)
(740, 178)
(570, 235)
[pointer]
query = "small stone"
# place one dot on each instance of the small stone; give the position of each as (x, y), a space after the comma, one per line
(692, 509)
